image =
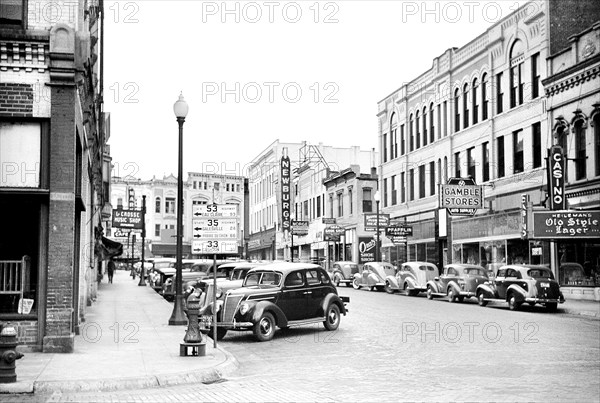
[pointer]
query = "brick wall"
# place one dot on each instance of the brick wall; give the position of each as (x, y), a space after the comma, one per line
(570, 17)
(16, 99)
(27, 332)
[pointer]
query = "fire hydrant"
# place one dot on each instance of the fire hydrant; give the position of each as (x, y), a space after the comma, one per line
(8, 354)
(193, 337)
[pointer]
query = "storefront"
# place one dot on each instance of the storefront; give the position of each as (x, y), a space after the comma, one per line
(261, 246)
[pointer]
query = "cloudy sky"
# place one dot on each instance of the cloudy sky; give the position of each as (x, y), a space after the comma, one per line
(255, 72)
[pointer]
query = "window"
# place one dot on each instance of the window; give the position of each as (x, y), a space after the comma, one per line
(393, 190)
(474, 101)
(305, 210)
(485, 155)
(596, 123)
(402, 188)
(466, 105)
(385, 157)
(439, 121)
(484, 100)
(457, 165)
(499, 93)
(432, 178)
(431, 127)
(421, 181)
(471, 163)
(157, 230)
(580, 156)
(318, 206)
(12, 13)
(518, 151)
(367, 201)
(340, 201)
(410, 134)
(402, 141)
(393, 137)
(20, 154)
(535, 76)
(385, 192)
(417, 130)
(456, 110)
(536, 137)
(294, 279)
(445, 118)
(425, 138)
(120, 203)
(170, 205)
(351, 201)
(411, 184)
(312, 277)
(445, 169)
(500, 157)
(516, 80)
(157, 205)
(330, 205)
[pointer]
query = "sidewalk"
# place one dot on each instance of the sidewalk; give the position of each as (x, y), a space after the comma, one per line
(124, 343)
(585, 308)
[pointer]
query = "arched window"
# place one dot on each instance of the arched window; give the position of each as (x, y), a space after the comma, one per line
(445, 169)
(431, 126)
(474, 102)
(456, 110)
(157, 205)
(596, 124)
(516, 73)
(425, 138)
(579, 127)
(393, 137)
(417, 130)
(466, 105)
(410, 134)
(484, 100)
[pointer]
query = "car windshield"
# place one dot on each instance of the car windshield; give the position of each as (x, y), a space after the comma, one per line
(238, 274)
(263, 278)
(163, 265)
(540, 273)
(475, 272)
(424, 268)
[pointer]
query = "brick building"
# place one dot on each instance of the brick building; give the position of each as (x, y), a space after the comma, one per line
(480, 112)
(52, 155)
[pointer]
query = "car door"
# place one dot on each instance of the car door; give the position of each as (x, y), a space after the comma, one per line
(292, 300)
(315, 293)
(448, 275)
(500, 283)
(512, 277)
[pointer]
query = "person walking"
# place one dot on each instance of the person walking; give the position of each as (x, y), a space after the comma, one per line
(110, 270)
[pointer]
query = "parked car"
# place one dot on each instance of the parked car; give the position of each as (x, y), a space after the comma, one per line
(374, 275)
(517, 284)
(198, 270)
(162, 268)
(457, 282)
(278, 295)
(571, 273)
(412, 277)
(343, 273)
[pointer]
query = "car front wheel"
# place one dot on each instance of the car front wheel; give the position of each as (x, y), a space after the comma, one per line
(551, 307)
(429, 292)
(513, 305)
(355, 284)
(332, 317)
(481, 300)
(336, 280)
(264, 329)
(388, 288)
(451, 295)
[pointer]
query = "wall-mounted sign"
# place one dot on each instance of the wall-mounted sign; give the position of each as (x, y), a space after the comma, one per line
(214, 210)
(327, 220)
(461, 196)
(127, 219)
(366, 249)
(398, 230)
(131, 198)
(566, 224)
(333, 232)
(556, 178)
(524, 204)
(285, 192)
(371, 221)
(299, 227)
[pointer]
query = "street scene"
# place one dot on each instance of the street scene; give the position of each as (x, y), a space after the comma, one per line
(299, 201)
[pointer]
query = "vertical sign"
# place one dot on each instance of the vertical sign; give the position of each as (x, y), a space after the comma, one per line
(131, 198)
(556, 178)
(524, 204)
(285, 192)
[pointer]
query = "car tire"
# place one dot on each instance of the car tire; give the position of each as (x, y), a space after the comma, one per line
(513, 305)
(264, 329)
(336, 280)
(451, 295)
(429, 292)
(332, 317)
(388, 288)
(480, 299)
(551, 307)
(221, 332)
(460, 299)
(355, 284)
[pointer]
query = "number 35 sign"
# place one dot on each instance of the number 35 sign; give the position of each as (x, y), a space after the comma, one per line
(215, 229)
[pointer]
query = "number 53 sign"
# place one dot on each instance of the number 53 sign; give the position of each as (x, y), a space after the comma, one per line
(215, 228)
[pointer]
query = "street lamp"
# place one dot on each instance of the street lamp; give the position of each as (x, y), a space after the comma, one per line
(178, 317)
(377, 198)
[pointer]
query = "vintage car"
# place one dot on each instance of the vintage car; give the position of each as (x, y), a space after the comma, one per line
(571, 273)
(277, 295)
(162, 269)
(457, 282)
(373, 275)
(343, 273)
(412, 277)
(517, 284)
(198, 270)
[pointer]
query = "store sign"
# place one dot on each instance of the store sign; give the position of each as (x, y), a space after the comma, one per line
(461, 196)
(371, 221)
(285, 193)
(524, 203)
(333, 232)
(566, 224)
(131, 198)
(299, 227)
(327, 220)
(127, 219)
(366, 250)
(556, 179)
(398, 230)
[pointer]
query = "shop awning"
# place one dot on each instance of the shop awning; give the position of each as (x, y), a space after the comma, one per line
(107, 248)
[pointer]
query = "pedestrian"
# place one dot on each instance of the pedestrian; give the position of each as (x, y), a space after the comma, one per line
(110, 270)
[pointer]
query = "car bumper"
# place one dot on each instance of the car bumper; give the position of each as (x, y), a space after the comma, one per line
(467, 294)
(545, 300)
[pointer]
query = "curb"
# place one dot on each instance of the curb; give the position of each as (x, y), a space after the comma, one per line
(207, 375)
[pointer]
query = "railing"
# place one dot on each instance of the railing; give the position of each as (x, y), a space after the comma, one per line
(14, 276)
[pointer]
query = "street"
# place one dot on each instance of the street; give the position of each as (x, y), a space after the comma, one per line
(400, 348)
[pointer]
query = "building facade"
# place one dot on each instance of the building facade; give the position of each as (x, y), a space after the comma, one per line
(53, 191)
(480, 112)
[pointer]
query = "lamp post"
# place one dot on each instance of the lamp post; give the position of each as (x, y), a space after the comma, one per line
(377, 198)
(178, 317)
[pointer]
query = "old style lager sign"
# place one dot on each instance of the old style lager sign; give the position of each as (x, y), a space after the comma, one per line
(566, 224)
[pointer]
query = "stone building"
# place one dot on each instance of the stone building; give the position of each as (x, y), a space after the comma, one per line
(480, 111)
(53, 193)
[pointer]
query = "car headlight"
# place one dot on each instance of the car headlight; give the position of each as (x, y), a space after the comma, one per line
(219, 293)
(244, 308)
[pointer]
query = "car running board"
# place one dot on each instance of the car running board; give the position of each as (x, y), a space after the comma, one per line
(305, 321)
